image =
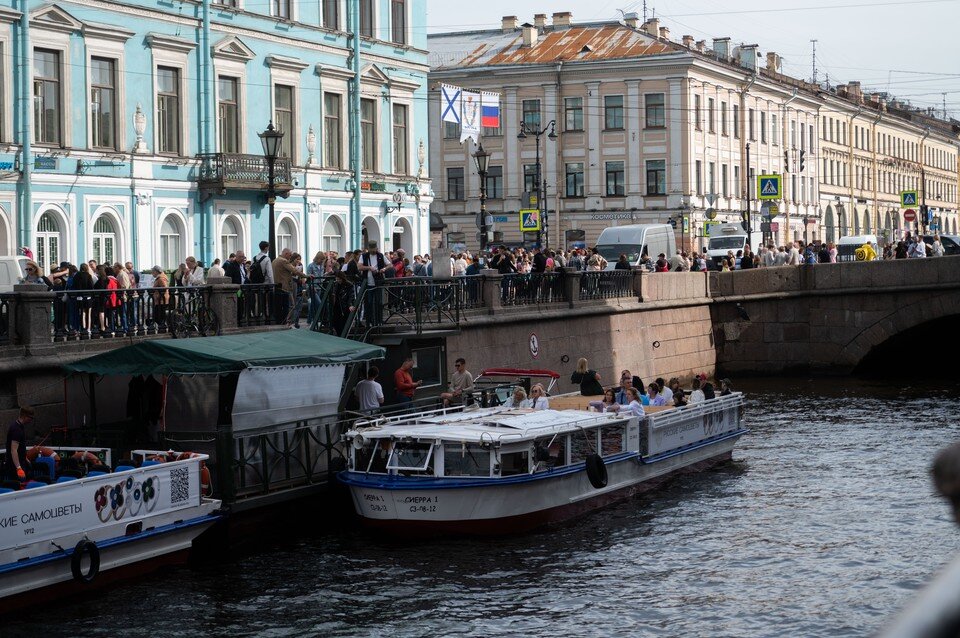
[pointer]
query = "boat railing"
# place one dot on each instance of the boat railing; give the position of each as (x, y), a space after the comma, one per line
(693, 410)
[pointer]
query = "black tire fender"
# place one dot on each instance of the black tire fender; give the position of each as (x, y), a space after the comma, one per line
(85, 547)
(596, 471)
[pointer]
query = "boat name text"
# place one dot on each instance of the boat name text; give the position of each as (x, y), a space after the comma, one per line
(41, 515)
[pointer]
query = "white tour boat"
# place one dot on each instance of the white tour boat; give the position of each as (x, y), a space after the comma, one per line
(68, 536)
(501, 470)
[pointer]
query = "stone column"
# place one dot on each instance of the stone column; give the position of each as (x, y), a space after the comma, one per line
(491, 290)
(30, 314)
(640, 276)
(571, 286)
(223, 301)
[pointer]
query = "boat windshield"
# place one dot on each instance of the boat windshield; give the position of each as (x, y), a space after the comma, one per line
(413, 457)
(465, 460)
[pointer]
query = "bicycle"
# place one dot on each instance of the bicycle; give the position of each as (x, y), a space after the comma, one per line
(191, 319)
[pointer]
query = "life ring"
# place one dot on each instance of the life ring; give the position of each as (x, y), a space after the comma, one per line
(85, 547)
(596, 471)
(39, 450)
(87, 457)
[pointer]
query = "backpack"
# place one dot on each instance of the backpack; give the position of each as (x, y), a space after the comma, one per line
(256, 272)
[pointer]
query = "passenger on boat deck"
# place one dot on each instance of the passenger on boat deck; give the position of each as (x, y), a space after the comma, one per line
(634, 408)
(664, 390)
(635, 380)
(15, 464)
(679, 398)
(708, 391)
(461, 383)
(608, 404)
(518, 399)
(538, 398)
(589, 380)
(725, 387)
(696, 395)
(403, 382)
(656, 399)
(673, 384)
(369, 392)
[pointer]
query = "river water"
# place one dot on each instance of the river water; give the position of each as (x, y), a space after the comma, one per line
(824, 524)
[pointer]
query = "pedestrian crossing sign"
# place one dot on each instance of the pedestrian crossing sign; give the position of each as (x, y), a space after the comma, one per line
(529, 220)
(908, 198)
(768, 187)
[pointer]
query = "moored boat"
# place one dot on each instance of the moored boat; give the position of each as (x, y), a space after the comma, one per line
(80, 533)
(502, 470)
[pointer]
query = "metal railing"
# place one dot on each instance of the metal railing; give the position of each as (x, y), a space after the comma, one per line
(471, 291)
(237, 170)
(607, 284)
(256, 305)
(5, 317)
(531, 289)
(410, 303)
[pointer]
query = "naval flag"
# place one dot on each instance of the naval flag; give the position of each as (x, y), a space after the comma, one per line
(470, 120)
(490, 110)
(450, 103)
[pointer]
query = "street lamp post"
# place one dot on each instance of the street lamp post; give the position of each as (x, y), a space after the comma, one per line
(270, 139)
(541, 189)
(483, 159)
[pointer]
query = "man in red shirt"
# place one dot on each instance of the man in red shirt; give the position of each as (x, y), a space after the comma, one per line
(404, 383)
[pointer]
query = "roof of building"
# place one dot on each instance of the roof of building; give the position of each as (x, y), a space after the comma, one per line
(585, 42)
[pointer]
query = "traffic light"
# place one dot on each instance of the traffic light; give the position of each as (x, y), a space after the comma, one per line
(786, 161)
(802, 153)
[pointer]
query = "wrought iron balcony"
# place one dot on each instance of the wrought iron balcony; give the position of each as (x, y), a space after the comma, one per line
(222, 171)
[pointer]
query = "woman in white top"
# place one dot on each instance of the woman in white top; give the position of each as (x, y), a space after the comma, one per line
(538, 398)
(696, 394)
(635, 408)
(518, 399)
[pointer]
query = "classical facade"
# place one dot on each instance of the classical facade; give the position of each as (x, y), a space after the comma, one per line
(129, 130)
(646, 130)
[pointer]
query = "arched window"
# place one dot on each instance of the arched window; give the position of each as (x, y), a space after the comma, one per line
(171, 242)
(104, 241)
(287, 235)
(333, 235)
(230, 239)
(48, 242)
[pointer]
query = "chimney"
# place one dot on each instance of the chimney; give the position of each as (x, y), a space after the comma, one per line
(509, 23)
(540, 21)
(773, 62)
(721, 48)
(701, 45)
(748, 57)
(632, 20)
(530, 34)
(562, 19)
(688, 41)
(652, 27)
(665, 33)
(842, 90)
(854, 91)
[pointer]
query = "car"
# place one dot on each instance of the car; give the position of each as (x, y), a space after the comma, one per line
(950, 243)
(11, 271)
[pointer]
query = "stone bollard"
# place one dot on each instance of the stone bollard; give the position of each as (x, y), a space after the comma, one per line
(640, 279)
(223, 301)
(491, 290)
(571, 286)
(30, 315)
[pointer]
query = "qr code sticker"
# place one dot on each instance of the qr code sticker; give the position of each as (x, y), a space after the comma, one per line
(179, 484)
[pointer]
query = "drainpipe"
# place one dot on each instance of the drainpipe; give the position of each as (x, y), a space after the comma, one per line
(922, 217)
(207, 249)
(24, 222)
(743, 144)
(786, 142)
(355, 142)
(874, 142)
(559, 161)
(853, 171)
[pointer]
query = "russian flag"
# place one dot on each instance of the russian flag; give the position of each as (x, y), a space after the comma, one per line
(490, 110)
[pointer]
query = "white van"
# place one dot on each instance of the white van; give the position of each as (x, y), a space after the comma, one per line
(636, 240)
(847, 246)
(11, 271)
(729, 237)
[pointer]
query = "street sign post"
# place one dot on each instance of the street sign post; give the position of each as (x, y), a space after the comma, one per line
(529, 220)
(908, 198)
(769, 187)
(909, 215)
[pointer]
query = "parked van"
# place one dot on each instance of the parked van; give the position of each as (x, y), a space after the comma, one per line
(729, 237)
(847, 247)
(950, 243)
(635, 241)
(11, 271)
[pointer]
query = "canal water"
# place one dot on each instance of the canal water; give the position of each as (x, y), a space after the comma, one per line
(824, 524)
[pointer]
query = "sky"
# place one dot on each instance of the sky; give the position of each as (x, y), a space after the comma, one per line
(910, 49)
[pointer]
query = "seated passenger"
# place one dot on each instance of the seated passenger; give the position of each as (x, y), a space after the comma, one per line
(679, 398)
(518, 399)
(656, 399)
(538, 398)
(696, 395)
(725, 387)
(608, 404)
(635, 408)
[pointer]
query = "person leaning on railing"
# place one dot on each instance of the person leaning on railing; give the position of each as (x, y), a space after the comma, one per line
(161, 296)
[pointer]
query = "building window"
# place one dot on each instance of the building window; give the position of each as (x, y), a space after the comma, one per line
(774, 131)
(654, 110)
(724, 180)
(613, 112)
(574, 179)
(529, 179)
(48, 242)
(398, 21)
(723, 118)
(226, 3)
(228, 113)
(455, 184)
(710, 115)
(573, 113)
(494, 185)
(283, 118)
(738, 192)
(168, 111)
(287, 235)
(803, 139)
(281, 9)
(699, 177)
(793, 134)
(230, 238)
(531, 114)
(696, 112)
(763, 127)
(103, 103)
(104, 241)
(368, 134)
(451, 131)
(366, 18)
(331, 14)
(656, 177)
(736, 121)
(47, 111)
(615, 185)
(171, 254)
(400, 139)
(751, 134)
(333, 235)
(712, 178)
(331, 130)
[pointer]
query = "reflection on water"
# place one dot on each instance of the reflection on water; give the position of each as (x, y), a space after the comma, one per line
(825, 523)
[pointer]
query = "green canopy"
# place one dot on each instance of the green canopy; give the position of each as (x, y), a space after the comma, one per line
(233, 353)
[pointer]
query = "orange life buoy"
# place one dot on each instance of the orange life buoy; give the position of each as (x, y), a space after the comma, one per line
(87, 457)
(38, 450)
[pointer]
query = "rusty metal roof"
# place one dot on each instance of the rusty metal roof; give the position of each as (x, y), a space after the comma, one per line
(608, 41)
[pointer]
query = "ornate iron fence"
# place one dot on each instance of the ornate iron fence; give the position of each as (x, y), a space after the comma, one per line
(607, 284)
(103, 314)
(532, 289)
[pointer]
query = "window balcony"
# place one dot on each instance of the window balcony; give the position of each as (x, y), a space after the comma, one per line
(220, 172)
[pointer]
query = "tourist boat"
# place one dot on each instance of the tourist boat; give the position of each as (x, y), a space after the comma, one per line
(77, 533)
(502, 470)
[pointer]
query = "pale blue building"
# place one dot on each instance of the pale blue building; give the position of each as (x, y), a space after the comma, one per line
(129, 129)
